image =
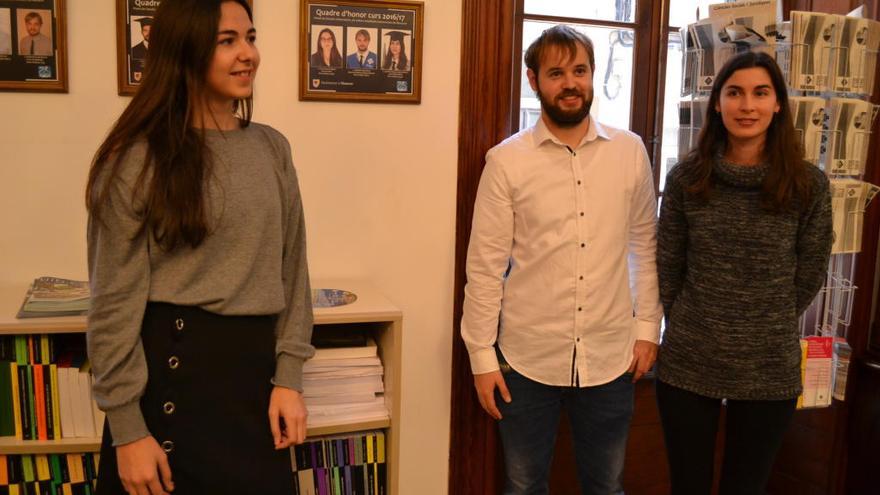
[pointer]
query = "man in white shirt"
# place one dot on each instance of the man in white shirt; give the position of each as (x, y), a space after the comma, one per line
(562, 277)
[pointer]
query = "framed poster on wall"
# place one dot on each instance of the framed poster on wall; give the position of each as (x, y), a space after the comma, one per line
(134, 21)
(33, 46)
(361, 50)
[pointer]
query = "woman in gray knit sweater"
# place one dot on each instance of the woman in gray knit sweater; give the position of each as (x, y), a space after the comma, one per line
(743, 245)
(201, 309)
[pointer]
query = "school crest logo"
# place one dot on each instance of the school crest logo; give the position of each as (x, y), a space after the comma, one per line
(316, 83)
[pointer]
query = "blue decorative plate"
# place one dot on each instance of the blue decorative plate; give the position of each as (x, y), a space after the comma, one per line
(331, 298)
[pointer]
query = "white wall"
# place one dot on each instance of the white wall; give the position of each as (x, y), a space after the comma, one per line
(378, 184)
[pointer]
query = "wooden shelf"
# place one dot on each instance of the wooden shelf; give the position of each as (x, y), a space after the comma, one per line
(369, 307)
(10, 445)
(335, 429)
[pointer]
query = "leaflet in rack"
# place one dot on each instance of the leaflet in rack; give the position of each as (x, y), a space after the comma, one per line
(849, 135)
(809, 115)
(849, 198)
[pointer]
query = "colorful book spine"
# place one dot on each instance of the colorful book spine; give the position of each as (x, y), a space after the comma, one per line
(56, 402)
(341, 465)
(39, 402)
(39, 474)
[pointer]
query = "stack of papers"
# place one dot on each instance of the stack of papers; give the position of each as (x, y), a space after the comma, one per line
(344, 384)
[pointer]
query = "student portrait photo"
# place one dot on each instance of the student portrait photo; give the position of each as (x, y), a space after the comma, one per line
(5, 33)
(325, 47)
(396, 44)
(140, 37)
(361, 45)
(35, 29)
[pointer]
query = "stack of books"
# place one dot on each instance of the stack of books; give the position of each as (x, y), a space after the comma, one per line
(341, 465)
(46, 388)
(51, 296)
(53, 473)
(343, 382)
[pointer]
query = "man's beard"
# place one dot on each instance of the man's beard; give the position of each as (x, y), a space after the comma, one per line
(566, 118)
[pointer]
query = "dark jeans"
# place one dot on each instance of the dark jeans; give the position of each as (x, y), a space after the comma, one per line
(599, 417)
(754, 431)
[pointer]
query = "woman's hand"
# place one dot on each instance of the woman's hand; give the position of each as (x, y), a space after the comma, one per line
(287, 417)
(143, 468)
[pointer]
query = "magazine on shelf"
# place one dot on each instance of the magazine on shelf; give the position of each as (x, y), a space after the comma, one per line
(52, 296)
(849, 135)
(810, 117)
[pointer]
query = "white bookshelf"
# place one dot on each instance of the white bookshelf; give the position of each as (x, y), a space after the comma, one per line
(371, 309)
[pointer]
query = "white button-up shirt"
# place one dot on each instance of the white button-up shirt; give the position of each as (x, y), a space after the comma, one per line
(576, 230)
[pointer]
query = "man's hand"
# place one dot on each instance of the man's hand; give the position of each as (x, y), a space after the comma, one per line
(485, 384)
(644, 355)
(143, 468)
(287, 404)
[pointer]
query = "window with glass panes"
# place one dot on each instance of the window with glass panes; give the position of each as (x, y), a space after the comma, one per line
(624, 64)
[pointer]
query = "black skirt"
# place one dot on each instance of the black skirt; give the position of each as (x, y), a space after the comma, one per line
(207, 402)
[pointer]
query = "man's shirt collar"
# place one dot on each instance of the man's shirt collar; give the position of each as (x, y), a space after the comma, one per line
(542, 133)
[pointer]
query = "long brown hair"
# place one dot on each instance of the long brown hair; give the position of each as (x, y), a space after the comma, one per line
(162, 112)
(787, 178)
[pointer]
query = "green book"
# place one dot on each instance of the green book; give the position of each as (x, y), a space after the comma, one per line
(27, 467)
(21, 350)
(337, 485)
(55, 463)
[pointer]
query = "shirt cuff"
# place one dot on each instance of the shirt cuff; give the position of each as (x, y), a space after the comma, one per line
(127, 424)
(288, 372)
(648, 330)
(484, 361)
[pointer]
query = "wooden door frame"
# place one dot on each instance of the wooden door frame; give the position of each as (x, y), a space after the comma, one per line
(487, 94)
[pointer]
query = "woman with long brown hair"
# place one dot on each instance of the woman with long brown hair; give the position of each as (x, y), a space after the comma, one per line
(742, 249)
(201, 307)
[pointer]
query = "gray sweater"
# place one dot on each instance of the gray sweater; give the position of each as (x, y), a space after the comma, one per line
(733, 281)
(253, 262)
